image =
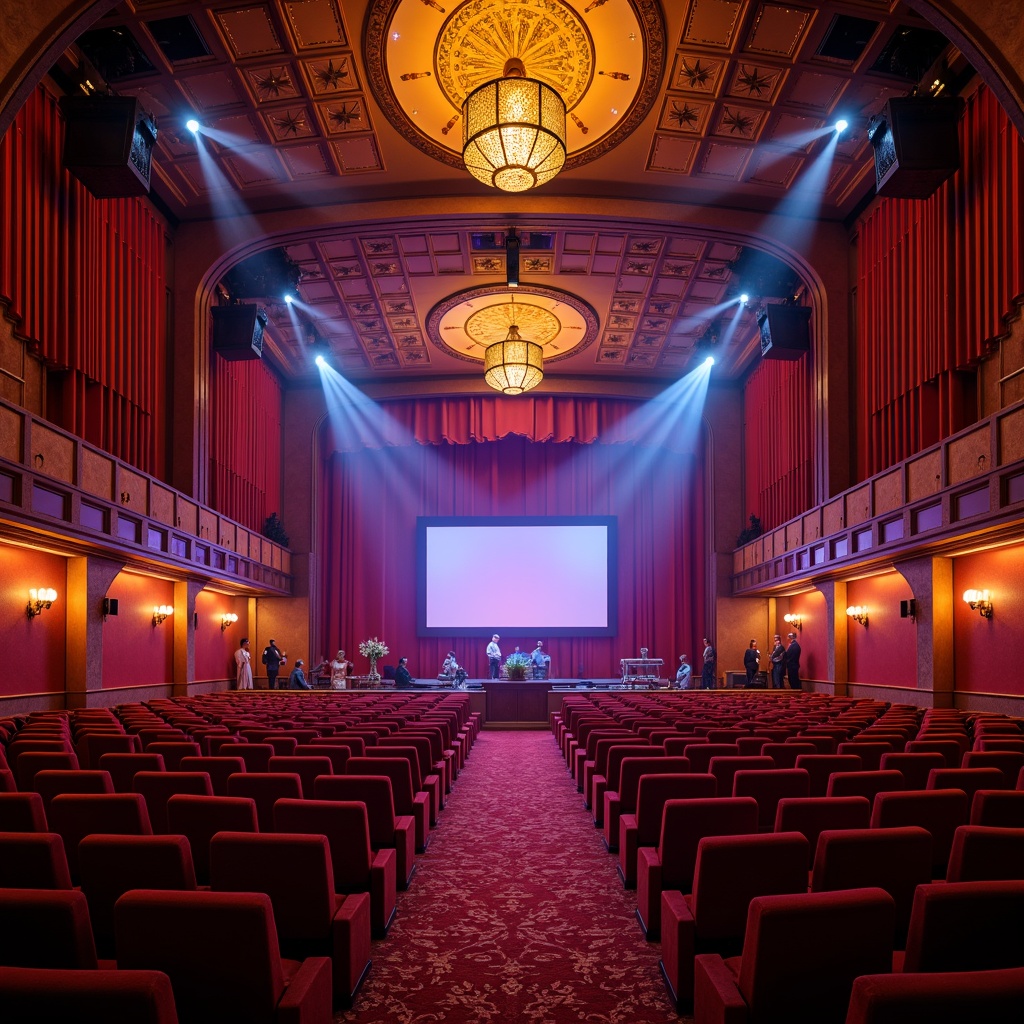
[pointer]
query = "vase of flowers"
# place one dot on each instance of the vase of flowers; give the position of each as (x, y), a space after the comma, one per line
(516, 666)
(373, 649)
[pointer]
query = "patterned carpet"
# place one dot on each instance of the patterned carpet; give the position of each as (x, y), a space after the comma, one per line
(516, 912)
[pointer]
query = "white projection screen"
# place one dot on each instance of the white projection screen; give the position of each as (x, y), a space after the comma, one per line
(478, 575)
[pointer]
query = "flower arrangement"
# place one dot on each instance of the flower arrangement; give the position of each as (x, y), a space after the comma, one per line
(516, 665)
(374, 650)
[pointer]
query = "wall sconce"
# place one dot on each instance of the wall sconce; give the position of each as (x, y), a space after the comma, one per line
(796, 621)
(39, 600)
(858, 612)
(227, 619)
(160, 612)
(979, 600)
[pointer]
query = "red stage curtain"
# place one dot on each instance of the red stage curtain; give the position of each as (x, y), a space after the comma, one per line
(778, 436)
(937, 280)
(368, 542)
(245, 441)
(85, 284)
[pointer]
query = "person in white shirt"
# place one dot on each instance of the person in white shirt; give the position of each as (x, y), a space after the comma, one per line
(541, 661)
(494, 656)
(683, 673)
(339, 672)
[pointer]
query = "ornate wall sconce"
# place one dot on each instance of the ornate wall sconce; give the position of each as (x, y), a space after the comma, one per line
(39, 600)
(227, 619)
(160, 612)
(858, 612)
(796, 621)
(980, 601)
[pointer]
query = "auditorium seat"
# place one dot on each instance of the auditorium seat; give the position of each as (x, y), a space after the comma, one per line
(822, 744)
(821, 766)
(50, 782)
(33, 860)
(432, 785)
(1000, 807)
(894, 859)
(951, 750)
(122, 768)
(255, 755)
(970, 780)
(158, 787)
(22, 812)
(266, 788)
(1009, 762)
(702, 753)
(214, 745)
(940, 811)
(46, 928)
(644, 828)
(218, 768)
(725, 768)
(730, 871)
(784, 755)
(622, 798)
(220, 951)
(172, 751)
(869, 752)
(357, 867)
(199, 818)
(800, 956)
(670, 864)
(336, 753)
(768, 788)
(983, 853)
(865, 784)
(311, 919)
(31, 762)
(307, 769)
(76, 815)
(91, 746)
(407, 800)
(595, 774)
(913, 767)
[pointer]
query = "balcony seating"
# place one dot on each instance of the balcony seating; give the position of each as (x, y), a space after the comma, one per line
(985, 854)
(913, 767)
(185, 934)
(76, 815)
(159, 787)
(813, 815)
(768, 788)
(265, 789)
(865, 784)
(218, 768)
(199, 818)
(45, 928)
(123, 768)
(311, 920)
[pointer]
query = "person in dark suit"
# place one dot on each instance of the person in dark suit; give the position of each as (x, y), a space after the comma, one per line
(752, 663)
(708, 671)
(403, 681)
(778, 660)
(272, 658)
(793, 662)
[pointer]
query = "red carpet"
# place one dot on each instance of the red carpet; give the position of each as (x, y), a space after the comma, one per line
(516, 911)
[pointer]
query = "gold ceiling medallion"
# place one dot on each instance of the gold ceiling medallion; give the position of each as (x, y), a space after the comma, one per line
(561, 44)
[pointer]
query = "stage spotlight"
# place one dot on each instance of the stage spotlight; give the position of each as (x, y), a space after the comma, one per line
(744, 298)
(841, 125)
(320, 361)
(192, 125)
(710, 361)
(289, 298)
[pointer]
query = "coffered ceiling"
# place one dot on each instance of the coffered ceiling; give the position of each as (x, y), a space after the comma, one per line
(334, 103)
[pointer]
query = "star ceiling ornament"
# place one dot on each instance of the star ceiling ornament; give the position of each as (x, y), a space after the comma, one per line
(753, 82)
(290, 124)
(331, 77)
(345, 115)
(698, 76)
(683, 116)
(737, 123)
(274, 83)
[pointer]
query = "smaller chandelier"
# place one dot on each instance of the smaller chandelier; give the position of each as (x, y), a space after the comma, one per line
(513, 134)
(514, 365)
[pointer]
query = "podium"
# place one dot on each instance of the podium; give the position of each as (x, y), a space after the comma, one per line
(642, 671)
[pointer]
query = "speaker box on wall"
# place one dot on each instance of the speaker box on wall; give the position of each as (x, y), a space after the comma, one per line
(108, 144)
(110, 606)
(916, 142)
(785, 331)
(238, 331)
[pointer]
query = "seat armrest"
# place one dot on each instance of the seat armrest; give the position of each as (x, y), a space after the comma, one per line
(421, 812)
(648, 890)
(383, 886)
(307, 1000)
(350, 946)
(405, 846)
(628, 834)
(716, 995)
(678, 945)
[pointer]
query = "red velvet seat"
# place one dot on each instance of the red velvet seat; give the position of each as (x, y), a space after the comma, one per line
(894, 859)
(768, 788)
(91, 746)
(951, 750)
(800, 957)
(158, 787)
(387, 830)
(307, 769)
(670, 864)
(357, 867)
(822, 744)
(725, 768)
(311, 919)
(220, 951)
(356, 745)
(337, 754)
(940, 811)
(965, 926)
(432, 785)
(644, 828)
(255, 755)
(982, 853)
(76, 815)
(1009, 762)
(595, 774)
(45, 928)
(266, 788)
(701, 754)
(813, 815)
(612, 778)
(33, 860)
(173, 751)
(407, 800)
(622, 799)
(214, 745)
(111, 865)
(913, 767)
(30, 995)
(948, 998)
(970, 780)
(199, 818)
(730, 871)
(1000, 807)
(122, 768)
(820, 766)
(49, 783)
(865, 784)
(870, 752)
(784, 754)
(218, 768)
(22, 812)
(31, 762)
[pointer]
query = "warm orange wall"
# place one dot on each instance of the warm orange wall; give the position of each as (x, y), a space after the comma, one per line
(33, 648)
(813, 637)
(988, 652)
(135, 652)
(214, 648)
(884, 652)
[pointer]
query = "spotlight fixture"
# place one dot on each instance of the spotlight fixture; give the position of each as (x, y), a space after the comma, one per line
(744, 299)
(710, 361)
(796, 621)
(514, 365)
(513, 135)
(39, 600)
(841, 125)
(858, 612)
(980, 601)
(512, 246)
(289, 298)
(227, 619)
(320, 361)
(160, 612)
(192, 125)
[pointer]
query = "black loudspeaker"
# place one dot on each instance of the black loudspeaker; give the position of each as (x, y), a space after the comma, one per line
(110, 606)
(908, 609)
(785, 331)
(916, 141)
(238, 331)
(108, 144)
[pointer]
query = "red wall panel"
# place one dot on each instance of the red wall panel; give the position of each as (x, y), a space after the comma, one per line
(215, 648)
(135, 652)
(884, 651)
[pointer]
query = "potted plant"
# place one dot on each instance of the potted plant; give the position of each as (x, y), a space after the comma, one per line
(374, 650)
(516, 666)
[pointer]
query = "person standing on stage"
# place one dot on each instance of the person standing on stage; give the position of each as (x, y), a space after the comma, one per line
(683, 673)
(752, 663)
(272, 658)
(793, 662)
(243, 673)
(339, 671)
(708, 673)
(778, 660)
(494, 656)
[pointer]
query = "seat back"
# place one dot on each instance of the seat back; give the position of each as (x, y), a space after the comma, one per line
(219, 949)
(999, 807)
(255, 755)
(813, 815)
(914, 767)
(966, 926)
(337, 754)
(865, 784)
(91, 746)
(820, 766)
(172, 751)
(823, 744)
(768, 788)
(372, 790)
(266, 788)
(346, 825)
(618, 754)
(725, 768)
(397, 769)
(731, 870)
(951, 750)
(654, 791)
(159, 787)
(870, 752)
(784, 755)
(76, 815)
(970, 780)
(1009, 762)
(218, 768)
(308, 769)
(33, 860)
(894, 859)
(801, 953)
(22, 812)
(633, 769)
(123, 768)
(199, 818)
(45, 928)
(31, 762)
(983, 853)
(294, 870)
(50, 782)
(940, 811)
(685, 822)
(700, 755)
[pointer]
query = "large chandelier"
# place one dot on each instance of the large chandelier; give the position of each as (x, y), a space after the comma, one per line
(513, 134)
(514, 365)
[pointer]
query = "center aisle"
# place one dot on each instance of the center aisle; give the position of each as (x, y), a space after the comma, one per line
(516, 911)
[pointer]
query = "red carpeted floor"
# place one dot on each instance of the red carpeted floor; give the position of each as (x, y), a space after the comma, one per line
(516, 911)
